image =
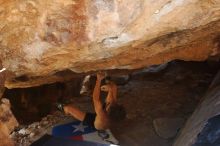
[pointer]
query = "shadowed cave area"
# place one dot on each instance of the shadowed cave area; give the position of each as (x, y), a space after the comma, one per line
(158, 101)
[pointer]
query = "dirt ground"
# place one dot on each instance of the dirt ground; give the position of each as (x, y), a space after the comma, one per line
(171, 91)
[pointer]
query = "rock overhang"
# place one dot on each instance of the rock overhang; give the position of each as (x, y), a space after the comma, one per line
(39, 39)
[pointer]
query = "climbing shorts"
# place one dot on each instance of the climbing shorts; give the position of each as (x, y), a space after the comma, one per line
(90, 119)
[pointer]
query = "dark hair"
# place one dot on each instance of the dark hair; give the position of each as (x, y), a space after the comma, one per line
(117, 112)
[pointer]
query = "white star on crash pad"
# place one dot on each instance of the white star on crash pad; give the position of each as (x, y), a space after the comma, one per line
(79, 127)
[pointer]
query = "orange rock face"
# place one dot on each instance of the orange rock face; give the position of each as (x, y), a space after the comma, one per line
(7, 123)
(42, 38)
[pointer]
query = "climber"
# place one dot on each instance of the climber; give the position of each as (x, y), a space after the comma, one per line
(105, 114)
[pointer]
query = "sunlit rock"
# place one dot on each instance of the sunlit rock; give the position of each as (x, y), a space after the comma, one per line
(40, 38)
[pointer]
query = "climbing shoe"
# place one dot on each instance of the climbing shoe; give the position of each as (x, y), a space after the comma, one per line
(60, 106)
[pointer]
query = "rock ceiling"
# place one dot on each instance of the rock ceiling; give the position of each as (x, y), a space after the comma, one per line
(44, 41)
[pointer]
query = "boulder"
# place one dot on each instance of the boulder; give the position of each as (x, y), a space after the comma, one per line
(42, 38)
(202, 128)
(7, 123)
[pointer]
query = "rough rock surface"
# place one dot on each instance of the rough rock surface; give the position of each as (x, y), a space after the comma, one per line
(40, 38)
(206, 110)
(25, 135)
(7, 123)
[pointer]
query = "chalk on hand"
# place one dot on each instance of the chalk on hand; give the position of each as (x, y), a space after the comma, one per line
(3, 69)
